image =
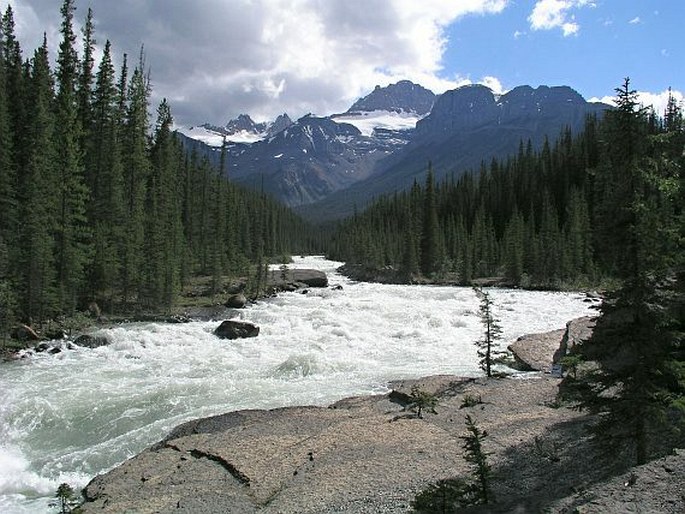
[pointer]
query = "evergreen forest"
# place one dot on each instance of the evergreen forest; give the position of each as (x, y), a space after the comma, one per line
(97, 203)
(549, 218)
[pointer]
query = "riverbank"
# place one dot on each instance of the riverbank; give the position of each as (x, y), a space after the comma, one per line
(370, 454)
(197, 302)
(391, 275)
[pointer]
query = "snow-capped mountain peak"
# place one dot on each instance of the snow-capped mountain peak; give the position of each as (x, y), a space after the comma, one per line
(239, 130)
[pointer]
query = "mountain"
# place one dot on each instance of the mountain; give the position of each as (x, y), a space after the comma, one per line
(239, 130)
(327, 166)
(403, 96)
(305, 161)
(466, 126)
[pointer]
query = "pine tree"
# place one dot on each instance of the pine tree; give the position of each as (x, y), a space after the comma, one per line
(429, 234)
(218, 257)
(38, 206)
(8, 179)
(163, 216)
(71, 231)
(105, 181)
(513, 248)
(85, 79)
(637, 343)
(488, 346)
(410, 261)
(475, 454)
(136, 170)
(13, 130)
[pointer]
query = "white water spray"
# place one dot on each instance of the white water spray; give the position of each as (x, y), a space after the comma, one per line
(70, 416)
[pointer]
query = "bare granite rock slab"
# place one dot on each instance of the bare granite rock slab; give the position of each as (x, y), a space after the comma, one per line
(534, 352)
(538, 352)
(364, 454)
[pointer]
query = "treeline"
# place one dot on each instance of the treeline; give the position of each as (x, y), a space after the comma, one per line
(539, 218)
(95, 204)
(607, 203)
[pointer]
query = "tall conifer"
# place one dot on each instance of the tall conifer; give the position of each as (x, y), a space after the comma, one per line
(430, 248)
(39, 207)
(71, 232)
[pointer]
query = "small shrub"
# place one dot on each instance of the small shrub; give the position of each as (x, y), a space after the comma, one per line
(477, 457)
(446, 496)
(471, 401)
(66, 499)
(571, 362)
(451, 495)
(420, 401)
(548, 450)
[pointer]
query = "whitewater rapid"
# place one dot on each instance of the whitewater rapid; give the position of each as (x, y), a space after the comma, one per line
(70, 416)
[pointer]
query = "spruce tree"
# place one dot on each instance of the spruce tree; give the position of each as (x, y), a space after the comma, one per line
(637, 381)
(430, 249)
(488, 346)
(39, 207)
(136, 170)
(72, 234)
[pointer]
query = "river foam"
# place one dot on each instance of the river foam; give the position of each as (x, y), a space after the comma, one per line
(71, 416)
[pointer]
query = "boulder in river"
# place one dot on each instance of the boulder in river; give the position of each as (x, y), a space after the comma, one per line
(232, 329)
(91, 340)
(236, 301)
(308, 277)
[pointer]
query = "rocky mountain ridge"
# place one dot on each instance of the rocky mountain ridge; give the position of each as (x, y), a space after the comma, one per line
(328, 165)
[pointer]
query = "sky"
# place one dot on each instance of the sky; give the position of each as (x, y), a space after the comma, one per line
(216, 59)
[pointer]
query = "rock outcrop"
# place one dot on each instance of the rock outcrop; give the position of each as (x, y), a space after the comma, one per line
(91, 340)
(233, 329)
(539, 352)
(534, 352)
(296, 278)
(236, 301)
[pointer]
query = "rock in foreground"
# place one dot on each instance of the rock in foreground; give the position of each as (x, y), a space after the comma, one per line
(538, 352)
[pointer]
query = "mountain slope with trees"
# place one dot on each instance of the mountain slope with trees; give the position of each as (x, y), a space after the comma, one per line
(97, 205)
(538, 218)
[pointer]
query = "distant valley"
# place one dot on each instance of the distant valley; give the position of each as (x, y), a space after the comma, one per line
(325, 167)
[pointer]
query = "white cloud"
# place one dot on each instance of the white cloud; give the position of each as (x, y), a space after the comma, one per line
(217, 58)
(494, 84)
(656, 100)
(519, 33)
(553, 14)
(635, 20)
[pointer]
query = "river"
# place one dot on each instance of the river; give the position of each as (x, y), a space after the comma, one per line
(70, 416)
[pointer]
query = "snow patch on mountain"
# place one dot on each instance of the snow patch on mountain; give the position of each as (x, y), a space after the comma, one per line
(215, 139)
(368, 121)
(208, 137)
